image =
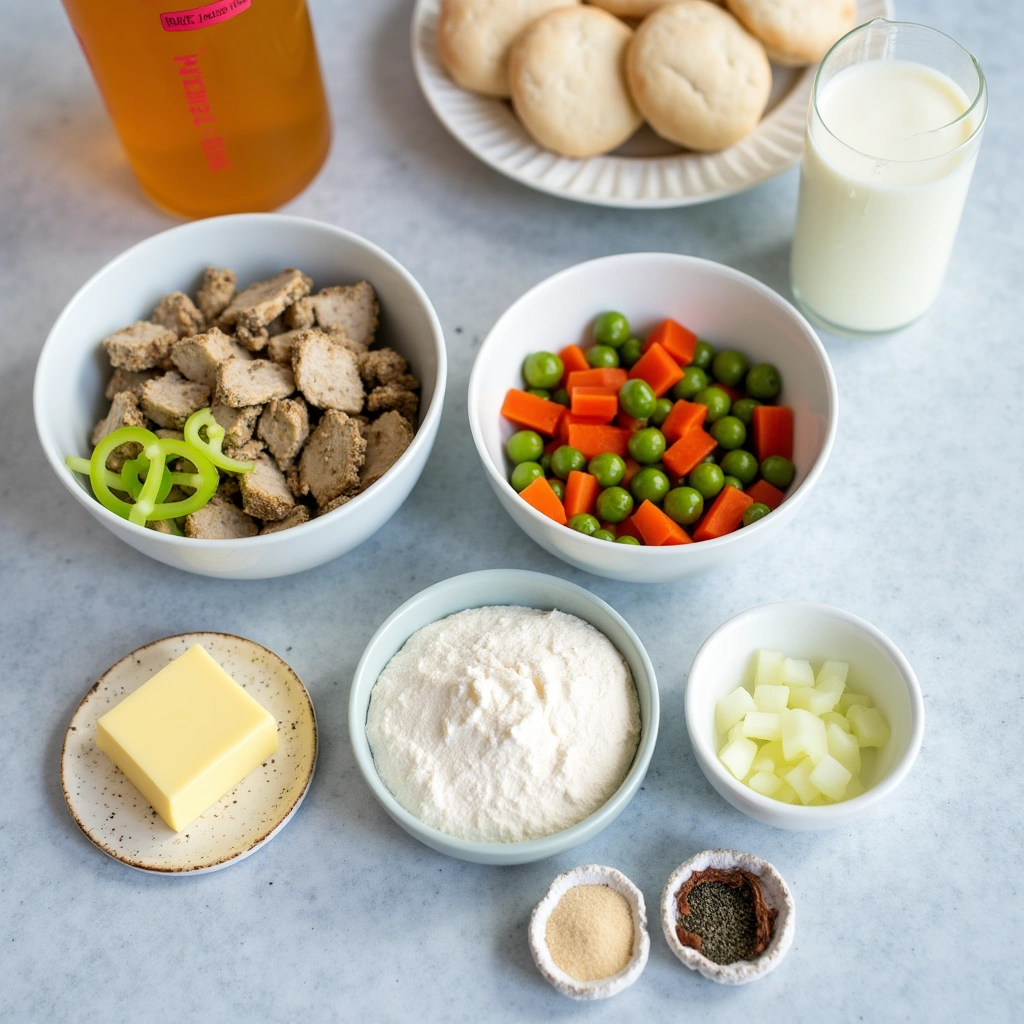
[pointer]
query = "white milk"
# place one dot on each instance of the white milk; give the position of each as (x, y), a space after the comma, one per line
(881, 191)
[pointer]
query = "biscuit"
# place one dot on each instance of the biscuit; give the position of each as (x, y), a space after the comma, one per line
(796, 32)
(629, 8)
(569, 84)
(474, 37)
(699, 78)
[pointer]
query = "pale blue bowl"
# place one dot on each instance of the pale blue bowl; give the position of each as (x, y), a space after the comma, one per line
(497, 587)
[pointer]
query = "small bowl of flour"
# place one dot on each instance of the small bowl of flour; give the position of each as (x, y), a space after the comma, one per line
(504, 716)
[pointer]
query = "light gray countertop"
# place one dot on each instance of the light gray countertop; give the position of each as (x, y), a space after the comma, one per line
(914, 914)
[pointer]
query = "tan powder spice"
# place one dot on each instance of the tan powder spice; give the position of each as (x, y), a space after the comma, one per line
(590, 932)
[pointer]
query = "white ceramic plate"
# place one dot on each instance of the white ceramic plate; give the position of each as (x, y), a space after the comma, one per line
(647, 171)
(116, 816)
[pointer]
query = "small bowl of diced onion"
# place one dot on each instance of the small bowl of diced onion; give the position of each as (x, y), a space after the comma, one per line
(834, 675)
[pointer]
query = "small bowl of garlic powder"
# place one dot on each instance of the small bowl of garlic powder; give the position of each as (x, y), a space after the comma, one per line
(588, 936)
(504, 716)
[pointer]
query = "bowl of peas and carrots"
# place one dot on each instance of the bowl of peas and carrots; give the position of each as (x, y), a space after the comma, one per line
(673, 433)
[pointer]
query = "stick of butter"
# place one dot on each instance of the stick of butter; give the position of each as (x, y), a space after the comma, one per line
(187, 736)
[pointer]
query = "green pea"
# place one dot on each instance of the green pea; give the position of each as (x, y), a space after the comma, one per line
(712, 459)
(717, 401)
(706, 478)
(602, 357)
(743, 410)
(741, 465)
(565, 459)
(584, 523)
(694, 380)
(684, 505)
(540, 393)
(703, 353)
(731, 481)
(647, 445)
(650, 484)
(559, 488)
(524, 474)
(662, 408)
(611, 329)
(614, 504)
(729, 367)
(729, 432)
(525, 446)
(778, 471)
(632, 349)
(764, 382)
(542, 370)
(561, 396)
(626, 539)
(603, 535)
(755, 512)
(637, 399)
(609, 469)
(545, 463)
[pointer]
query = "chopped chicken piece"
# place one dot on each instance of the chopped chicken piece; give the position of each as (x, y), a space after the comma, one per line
(220, 519)
(178, 313)
(216, 290)
(199, 355)
(140, 346)
(387, 437)
(332, 457)
(327, 374)
(241, 383)
(169, 400)
(284, 426)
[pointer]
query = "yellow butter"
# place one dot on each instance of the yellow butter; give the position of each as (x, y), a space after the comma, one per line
(187, 736)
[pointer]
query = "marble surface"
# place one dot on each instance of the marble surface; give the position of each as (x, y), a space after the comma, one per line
(913, 914)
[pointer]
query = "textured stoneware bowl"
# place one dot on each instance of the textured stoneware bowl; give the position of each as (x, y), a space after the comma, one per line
(602, 988)
(500, 587)
(815, 632)
(776, 895)
(724, 306)
(72, 372)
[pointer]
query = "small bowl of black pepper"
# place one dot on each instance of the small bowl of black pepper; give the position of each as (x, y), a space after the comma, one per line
(728, 915)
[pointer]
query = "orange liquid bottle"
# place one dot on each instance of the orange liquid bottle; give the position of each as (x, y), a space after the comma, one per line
(220, 106)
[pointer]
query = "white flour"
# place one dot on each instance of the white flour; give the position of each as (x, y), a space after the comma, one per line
(503, 724)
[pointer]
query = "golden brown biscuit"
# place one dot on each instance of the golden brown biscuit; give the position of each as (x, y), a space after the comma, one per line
(796, 32)
(630, 8)
(699, 78)
(568, 82)
(474, 36)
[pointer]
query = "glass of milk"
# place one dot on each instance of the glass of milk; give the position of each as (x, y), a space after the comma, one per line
(893, 132)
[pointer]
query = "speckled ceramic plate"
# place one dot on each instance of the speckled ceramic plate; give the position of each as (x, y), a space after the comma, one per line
(118, 819)
(647, 171)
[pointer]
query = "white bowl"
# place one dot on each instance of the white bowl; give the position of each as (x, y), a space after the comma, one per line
(776, 895)
(815, 632)
(724, 306)
(601, 988)
(477, 590)
(72, 373)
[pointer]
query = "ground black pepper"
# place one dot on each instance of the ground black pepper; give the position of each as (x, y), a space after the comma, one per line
(723, 915)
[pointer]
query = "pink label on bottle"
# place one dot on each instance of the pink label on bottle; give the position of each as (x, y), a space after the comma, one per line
(200, 17)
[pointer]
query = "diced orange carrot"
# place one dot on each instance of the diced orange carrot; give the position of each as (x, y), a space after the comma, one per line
(532, 413)
(581, 491)
(550, 447)
(725, 515)
(573, 359)
(600, 403)
(656, 528)
(632, 468)
(766, 494)
(683, 418)
(604, 377)
(679, 342)
(570, 418)
(623, 419)
(773, 431)
(593, 439)
(734, 395)
(658, 368)
(693, 446)
(627, 528)
(540, 495)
